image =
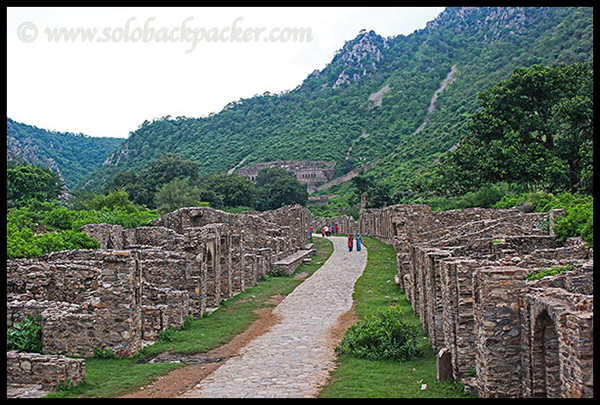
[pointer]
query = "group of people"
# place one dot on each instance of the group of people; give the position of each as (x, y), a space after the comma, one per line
(326, 230)
(329, 230)
(351, 242)
(333, 230)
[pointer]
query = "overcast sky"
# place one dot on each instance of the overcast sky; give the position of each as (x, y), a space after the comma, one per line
(122, 66)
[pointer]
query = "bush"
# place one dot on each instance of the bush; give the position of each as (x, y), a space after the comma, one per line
(167, 335)
(103, 353)
(25, 336)
(537, 274)
(579, 219)
(487, 196)
(381, 336)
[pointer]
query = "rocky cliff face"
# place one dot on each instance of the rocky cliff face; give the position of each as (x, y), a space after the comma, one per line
(490, 22)
(359, 57)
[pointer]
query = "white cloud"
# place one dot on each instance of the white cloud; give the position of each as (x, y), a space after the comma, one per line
(108, 86)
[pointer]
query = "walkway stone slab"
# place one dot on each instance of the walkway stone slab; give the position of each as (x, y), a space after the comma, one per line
(294, 358)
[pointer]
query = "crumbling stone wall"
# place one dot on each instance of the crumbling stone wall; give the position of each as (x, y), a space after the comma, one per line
(346, 224)
(147, 279)
(464, 272)
(311, 172)
(47, 370)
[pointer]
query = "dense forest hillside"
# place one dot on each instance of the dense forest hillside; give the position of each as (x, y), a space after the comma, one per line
(397, 103)
(73, 156)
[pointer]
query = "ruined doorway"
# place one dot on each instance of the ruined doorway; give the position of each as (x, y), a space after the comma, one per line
(545, 359)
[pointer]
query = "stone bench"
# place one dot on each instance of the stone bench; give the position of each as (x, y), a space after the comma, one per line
(290, 263)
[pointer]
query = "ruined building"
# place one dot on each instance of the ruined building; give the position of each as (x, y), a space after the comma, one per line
(311, 172)
(465, 275)
(146, 279)
(463, 271)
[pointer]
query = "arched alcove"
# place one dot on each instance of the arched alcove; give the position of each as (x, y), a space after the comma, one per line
(545, 358)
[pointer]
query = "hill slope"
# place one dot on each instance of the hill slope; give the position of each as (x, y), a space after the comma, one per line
(379, 101)
(73, 156)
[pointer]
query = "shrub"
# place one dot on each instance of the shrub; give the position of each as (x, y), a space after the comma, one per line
(381, 336)
(103, 353)
(536, 275)
(167, 335)
(26, 335)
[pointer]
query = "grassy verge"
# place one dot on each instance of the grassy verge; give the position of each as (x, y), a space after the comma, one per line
(359, 378)
(114, 377)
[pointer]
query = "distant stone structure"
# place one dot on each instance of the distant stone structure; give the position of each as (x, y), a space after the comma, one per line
(464, 273)
(311, 172)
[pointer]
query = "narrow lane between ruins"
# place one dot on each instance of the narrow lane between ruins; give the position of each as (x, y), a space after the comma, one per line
(294, 358)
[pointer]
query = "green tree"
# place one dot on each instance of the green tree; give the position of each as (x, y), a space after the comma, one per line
(25, 182)
(161, 171)
(235, 190)
(176, 194)
(536, 128)
(277, 187)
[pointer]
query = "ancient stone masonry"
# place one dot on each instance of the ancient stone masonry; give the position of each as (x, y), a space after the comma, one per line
(346, 224)
(146, 279)
(465, 274)
(311, 172)
(47, 370)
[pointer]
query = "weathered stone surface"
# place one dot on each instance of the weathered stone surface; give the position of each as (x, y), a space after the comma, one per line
(147, 279)
(464, 272)
(46, 370)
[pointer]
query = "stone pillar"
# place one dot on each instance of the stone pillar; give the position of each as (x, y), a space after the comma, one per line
(498, 330)
(443, 365)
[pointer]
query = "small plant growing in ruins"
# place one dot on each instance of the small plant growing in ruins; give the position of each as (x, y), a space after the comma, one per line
(25, 335)
(103, 353)
(537, 274)
(275, 272)
(187, 323)
(167, 335)
(64, 385)
(381, 336)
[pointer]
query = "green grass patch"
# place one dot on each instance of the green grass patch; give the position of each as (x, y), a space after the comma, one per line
(374, 291)
(114, 377)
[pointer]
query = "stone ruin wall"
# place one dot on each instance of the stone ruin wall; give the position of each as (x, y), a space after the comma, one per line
(346, 224)
(146, 279)
(464, 273)
(311, 172)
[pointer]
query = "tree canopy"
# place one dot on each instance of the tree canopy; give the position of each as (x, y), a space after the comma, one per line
(24, 182)
(277, 187)
(535, 129)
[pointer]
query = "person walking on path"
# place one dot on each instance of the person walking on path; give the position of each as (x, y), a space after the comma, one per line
(350, 243)
(358, 242)
(323, 231)
(311, 229)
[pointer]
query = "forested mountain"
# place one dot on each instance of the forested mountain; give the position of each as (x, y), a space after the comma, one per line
(73, 156)
(397, 102)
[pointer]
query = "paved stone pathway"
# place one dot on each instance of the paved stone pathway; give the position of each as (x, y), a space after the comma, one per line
(294, 358)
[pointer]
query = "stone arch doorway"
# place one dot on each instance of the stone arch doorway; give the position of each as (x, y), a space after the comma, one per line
(545, 358)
